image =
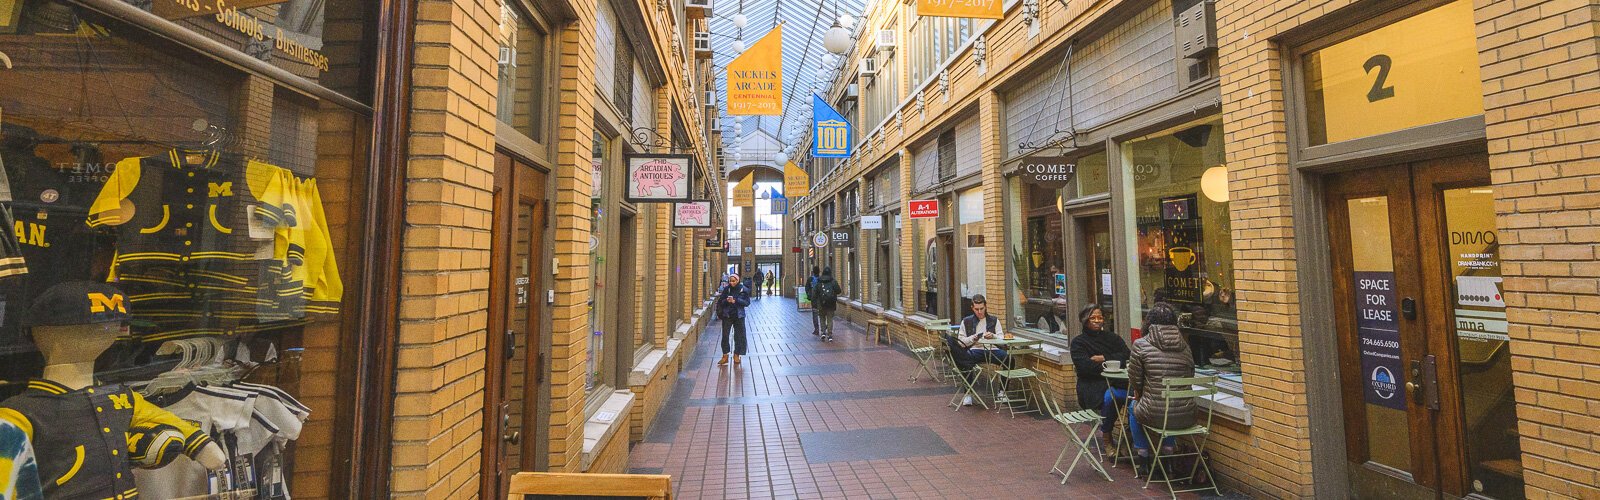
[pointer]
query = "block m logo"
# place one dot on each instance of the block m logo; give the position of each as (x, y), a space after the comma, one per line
(120, 402)
(99, 303)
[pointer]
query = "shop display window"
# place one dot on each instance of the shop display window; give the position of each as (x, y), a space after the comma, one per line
(173, 289)
(971, 277)
(1182, 237)
(595, 358)
(926, 264)
(1038, 267)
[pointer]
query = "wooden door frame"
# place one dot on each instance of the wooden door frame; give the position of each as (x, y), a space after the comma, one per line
(508, 171)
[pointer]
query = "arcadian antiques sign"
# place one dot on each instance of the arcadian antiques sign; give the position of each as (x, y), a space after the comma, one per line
(659, 177)
(691, 214)
(1046, 171)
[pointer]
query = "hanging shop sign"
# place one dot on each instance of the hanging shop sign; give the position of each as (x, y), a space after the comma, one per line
(755, 78)
(872, 222)
(1379, 331)
(1416, 71)
(705, 233)
(744, 193)
(659, 177)
(691, 214)
(820, 240)
(1052, 172)
(923, 209)
(831, 135)
(796, 182)
(842, 238)
(714, 241)
(981, 9)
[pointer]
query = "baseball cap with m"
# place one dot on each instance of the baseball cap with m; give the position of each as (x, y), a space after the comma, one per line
(78, 303)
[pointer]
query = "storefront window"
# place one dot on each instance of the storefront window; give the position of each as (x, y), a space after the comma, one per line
(176, 223)
(601, 155)
(970, 278)
(1038, 269)
(927, 264)
(524, 76)
(1182, 237)
(1091, 177)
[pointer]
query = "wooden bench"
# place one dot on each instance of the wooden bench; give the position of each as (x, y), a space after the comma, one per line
(552, 485)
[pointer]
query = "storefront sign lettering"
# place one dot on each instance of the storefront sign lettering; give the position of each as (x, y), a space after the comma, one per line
(819, 240)
(981, 9)
(1378, 327)
(923, 209)
(659, 178)
(872, 222)
(233, 16)
(842, 238)
(1046, 171)
(691, 214)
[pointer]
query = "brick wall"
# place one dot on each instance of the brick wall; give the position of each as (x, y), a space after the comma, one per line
(444, 272)
(573, 177)
(1541, 82)
(1271, 354)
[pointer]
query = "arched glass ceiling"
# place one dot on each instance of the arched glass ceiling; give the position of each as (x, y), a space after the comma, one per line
(804, 23)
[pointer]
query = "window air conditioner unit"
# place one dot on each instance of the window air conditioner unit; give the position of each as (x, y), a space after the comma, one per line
(885, 41)
(869, 66)
(711, 99)
(702, 44)
(852, 91)
(697, 9)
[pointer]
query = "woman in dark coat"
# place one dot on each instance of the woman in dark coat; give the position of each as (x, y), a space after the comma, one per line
(1160, 355)
(1090, 350)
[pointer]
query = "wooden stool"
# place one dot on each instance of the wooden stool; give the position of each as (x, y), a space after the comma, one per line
(879, 328)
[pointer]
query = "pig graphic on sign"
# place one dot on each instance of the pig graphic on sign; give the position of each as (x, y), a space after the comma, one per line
(694, 214)
(657, 174)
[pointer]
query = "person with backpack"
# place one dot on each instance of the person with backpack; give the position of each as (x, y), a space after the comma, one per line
(755, 286)
(732, 300)
(811, 295)
(826, 302)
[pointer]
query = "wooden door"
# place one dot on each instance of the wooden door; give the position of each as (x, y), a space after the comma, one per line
(1425, 368)
(515, 364)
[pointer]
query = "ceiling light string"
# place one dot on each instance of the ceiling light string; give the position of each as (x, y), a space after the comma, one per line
(804, 56)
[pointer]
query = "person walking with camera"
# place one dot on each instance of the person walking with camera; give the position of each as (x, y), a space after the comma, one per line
(732, 300)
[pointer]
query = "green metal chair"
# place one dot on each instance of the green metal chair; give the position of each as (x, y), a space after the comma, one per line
(925, 360)
(1178, 389)
(1080, 443)
(1122, 449)
(962, 383)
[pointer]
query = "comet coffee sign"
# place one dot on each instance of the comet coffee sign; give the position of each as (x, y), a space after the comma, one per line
(1047, 171)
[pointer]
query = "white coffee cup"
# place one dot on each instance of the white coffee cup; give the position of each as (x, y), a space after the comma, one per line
(1112, 365)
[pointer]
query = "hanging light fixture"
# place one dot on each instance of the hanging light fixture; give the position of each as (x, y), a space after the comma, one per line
(738, 45)
(845, 21)
(837, 39)
(780, 158)
(739, 20)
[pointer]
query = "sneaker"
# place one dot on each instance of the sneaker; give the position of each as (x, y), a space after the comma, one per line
(723, 361)
(736, 359)
(966, 400)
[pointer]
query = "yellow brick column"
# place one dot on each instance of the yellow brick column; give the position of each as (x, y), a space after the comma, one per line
(995, 255)
(1271, 352)
(909, 275)
(1542, 109)
(573, 179)
(445, 273)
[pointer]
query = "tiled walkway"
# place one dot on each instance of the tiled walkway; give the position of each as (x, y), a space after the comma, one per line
(805, 419)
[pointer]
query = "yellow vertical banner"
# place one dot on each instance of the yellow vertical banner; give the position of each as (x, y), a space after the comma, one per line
(755, 78)
(744, 193)
(795, 181)
(982, 9)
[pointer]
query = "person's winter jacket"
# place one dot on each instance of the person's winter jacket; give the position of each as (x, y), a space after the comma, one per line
(741, 300)
(825, 283)
(1161, 355)
(1091, 384)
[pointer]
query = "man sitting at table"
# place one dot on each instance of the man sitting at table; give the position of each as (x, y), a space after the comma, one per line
(978, 326)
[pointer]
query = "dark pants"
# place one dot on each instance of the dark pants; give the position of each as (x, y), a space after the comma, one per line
(825, 318)
(737, 325)
(816, 320)
(1108, 408)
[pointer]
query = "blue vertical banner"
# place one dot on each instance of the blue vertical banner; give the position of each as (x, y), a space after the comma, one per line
(832, 136)
(780, 204)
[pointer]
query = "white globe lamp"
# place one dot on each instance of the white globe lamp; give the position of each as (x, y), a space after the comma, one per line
(1214, 183)
(739, 20)
(837, 40)
(780, 158)
(738, 45)
(846, 21)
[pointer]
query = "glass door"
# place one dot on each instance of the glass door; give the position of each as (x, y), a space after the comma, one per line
(1095, 236)
(1422, 330)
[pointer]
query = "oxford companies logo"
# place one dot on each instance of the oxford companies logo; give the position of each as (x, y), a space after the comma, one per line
(1383, 383)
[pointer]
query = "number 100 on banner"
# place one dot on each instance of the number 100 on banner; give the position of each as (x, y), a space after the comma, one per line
(832, 139)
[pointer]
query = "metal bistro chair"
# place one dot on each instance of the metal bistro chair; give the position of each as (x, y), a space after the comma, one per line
(927, 356)
(1122, 449)
(1199, 434)
(1016, 384)
(963, 384)
(1081, 443)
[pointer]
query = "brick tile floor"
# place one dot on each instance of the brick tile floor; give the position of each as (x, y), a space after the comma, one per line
(737, 431)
